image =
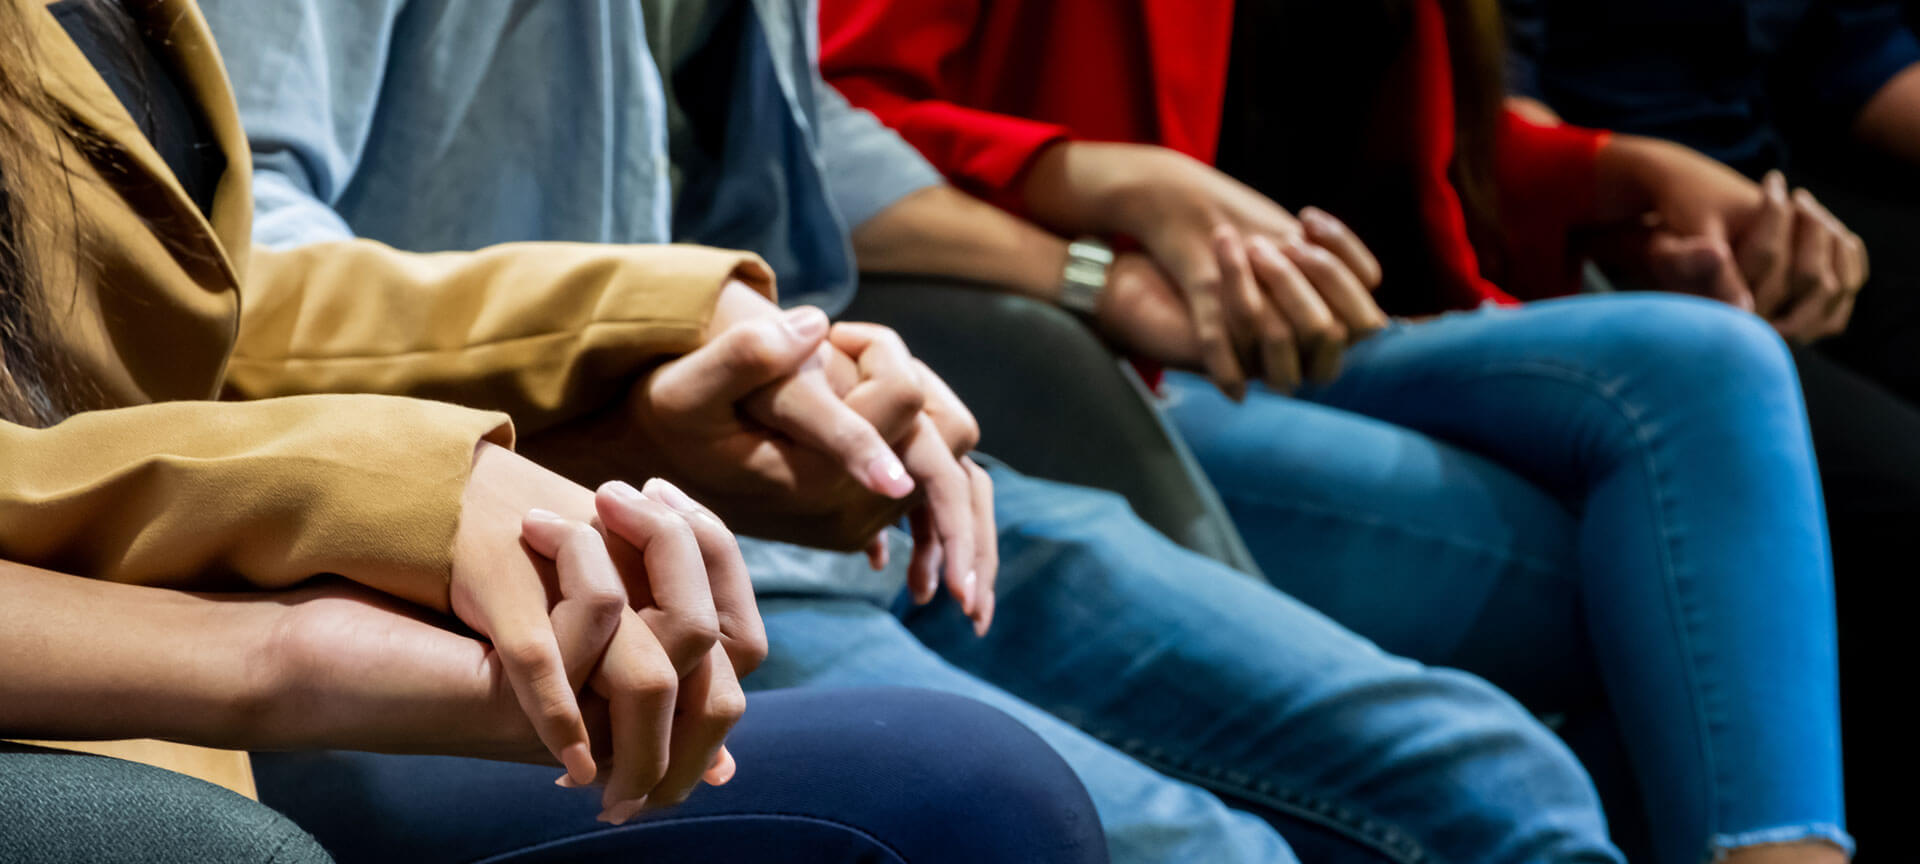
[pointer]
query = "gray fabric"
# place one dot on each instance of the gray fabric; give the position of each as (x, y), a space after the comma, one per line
(57, 808)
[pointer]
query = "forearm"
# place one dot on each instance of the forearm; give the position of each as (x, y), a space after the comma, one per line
(1632, 172)
(82, 659)
(941, 231)
(1890, 121)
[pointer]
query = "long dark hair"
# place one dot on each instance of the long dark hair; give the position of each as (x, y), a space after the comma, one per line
(31, 385)
(1476, 43)
(39, 384)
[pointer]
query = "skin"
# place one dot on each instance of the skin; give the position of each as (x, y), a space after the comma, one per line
(334, 665)
(1890, 121)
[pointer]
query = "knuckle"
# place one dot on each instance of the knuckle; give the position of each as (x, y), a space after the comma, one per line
(554, 712)
(521, 653)
(753, 650)
(604, 606)
(755, 348)
(727, 705)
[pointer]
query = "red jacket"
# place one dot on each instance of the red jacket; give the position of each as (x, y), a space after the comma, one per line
(982, 87)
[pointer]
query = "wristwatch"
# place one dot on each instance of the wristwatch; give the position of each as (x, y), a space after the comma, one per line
(1085, 278)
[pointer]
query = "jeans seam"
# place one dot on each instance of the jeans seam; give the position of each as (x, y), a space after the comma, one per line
(562, 842)
(1678, 596)
(1378, 833)
(1530, 562)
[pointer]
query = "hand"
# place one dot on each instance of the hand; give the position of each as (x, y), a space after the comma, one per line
(1280, 297)
(676, 580)
(1706, 230)
(935, 432)
(815, 473)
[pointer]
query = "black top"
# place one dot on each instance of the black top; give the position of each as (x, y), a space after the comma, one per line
(152, 91)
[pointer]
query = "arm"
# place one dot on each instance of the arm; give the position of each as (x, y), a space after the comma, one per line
(1855, 63)
(544, 332)
(327, 667)
(1891, 119)
(889, 57)
(265, 494)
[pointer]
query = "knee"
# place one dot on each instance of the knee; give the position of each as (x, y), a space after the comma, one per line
(955, 780)
(1695, 340)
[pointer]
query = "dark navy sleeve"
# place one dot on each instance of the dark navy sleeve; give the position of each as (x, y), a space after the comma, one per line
(1526, 41)
(1851, 49)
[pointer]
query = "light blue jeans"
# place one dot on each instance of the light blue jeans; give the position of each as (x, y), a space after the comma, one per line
(1608, 495)
(1208, 714)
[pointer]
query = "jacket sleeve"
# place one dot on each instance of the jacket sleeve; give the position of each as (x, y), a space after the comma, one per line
(542, 331)
(1547, 178)
(217, 496)
(891, 59)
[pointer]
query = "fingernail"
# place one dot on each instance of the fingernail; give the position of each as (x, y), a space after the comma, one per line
(620, 813)
(670, 495)
(579, 762)
(566, 782)
(966, 586)
(806, 322)
(623, 492)
(548, 516)
(886, 473)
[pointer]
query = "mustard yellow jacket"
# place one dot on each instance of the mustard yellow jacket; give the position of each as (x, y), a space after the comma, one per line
(274, 416)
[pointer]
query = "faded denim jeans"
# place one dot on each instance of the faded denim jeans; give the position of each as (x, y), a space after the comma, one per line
(1211, 717)
(1606, 505)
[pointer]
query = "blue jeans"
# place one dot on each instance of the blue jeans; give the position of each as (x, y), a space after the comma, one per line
(1595, 495)
(858, 777)
(1208, 714)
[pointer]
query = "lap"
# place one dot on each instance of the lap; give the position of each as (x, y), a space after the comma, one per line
(824, 777)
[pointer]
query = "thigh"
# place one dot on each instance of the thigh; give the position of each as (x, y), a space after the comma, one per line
(1430, 551)
(1148, 817)
(1219, 679)
(60, 807)
(824, 777)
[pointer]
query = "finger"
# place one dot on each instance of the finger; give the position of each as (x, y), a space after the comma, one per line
(1295, 291)
(740, 360)
(1698, 264)
(877, 552)
(1288, 288)
(1265, 341)
(1197, 273)
(671, 570)
(889, 393)
(923, 569)
(723, 769)
(987, 559)
(711, 703)
(591, 595)
(1334, 236)
(953, 418)
(1848, 252)
(1813, 276)
(949, 503)
(805, 409)
(511, 610)
(1241, 294)
(742, 633)
(641, 686)
(1764, 249)
(1841, 315)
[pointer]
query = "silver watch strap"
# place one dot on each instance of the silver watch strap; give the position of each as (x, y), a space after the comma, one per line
(1085, 277)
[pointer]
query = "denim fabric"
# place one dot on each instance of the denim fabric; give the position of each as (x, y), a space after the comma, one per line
(856, 777)
(1601, 494)
(1176, 687)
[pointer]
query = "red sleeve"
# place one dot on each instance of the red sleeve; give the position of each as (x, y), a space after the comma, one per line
(1548, 185)
(895, 59)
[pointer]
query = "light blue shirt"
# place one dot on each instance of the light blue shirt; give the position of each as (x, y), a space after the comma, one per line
(439, 125)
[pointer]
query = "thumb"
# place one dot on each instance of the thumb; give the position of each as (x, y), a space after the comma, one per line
(1701, 264)
(740, 360)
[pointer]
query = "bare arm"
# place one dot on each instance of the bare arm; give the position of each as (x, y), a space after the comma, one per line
(941, 231)
(333, 666)
(1891, 119)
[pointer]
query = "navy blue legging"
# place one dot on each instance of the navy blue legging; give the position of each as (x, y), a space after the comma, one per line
(826, 777)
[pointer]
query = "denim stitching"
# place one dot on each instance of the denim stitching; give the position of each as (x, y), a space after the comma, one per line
(1379, 834)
